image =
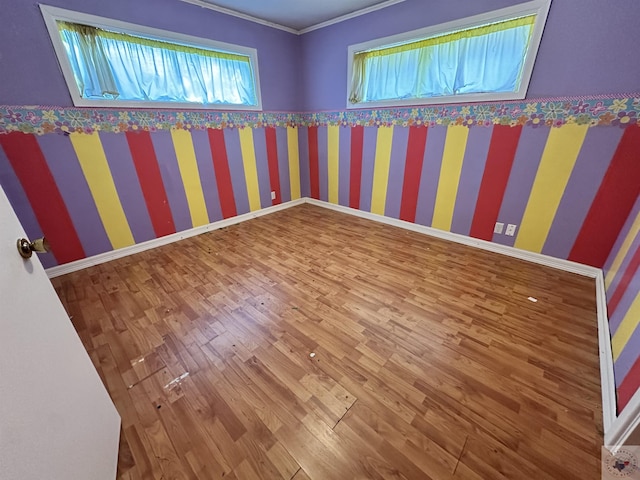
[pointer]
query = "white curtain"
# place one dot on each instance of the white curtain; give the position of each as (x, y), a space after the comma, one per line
(490, 62)
(114, 65)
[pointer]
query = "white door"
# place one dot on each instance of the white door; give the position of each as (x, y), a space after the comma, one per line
(57, 421)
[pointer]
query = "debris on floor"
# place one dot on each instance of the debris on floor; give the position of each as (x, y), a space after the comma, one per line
(176, 381)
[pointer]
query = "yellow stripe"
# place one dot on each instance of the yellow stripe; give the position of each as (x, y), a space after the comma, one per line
(452, 157)
(294, 162)
(381, 169)
(627, 327)
(96, 170)
(559, 157)
(183, 145)
(250, 168)
(333, 148)
(624, 249)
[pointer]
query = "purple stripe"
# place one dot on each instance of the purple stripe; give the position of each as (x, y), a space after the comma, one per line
(202, 148)
(591, 165)
(283, 164)
(430, 175)
(305, 177)
(523, 174)
(168, 163)
(236, 168)
(344, 169)
(323, 162)
(368, 160)
(20, 203)
(618, 245)
(624, 265)
(396, 171)
(475, 158)
(630, 293)
(72, 184)
(628, 356)
(262, 166)
(125, 178)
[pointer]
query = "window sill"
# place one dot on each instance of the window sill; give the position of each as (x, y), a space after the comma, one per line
(450, 99)
(94, 103)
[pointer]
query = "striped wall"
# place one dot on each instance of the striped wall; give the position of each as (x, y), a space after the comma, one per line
(622, 281)
(569, 189)
(100, 191)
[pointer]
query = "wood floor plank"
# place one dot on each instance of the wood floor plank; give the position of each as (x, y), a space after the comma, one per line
(300, 475)
(313, 345)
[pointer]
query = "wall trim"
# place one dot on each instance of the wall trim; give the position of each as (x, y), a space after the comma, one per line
(244, 16)
(251, 18)
(349, 16)
(615, 429)
(566, 265)
(158, 242)
(625, 425)
(607, 379)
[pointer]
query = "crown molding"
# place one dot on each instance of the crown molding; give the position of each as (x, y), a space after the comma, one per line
(349, 16)
(244, 16)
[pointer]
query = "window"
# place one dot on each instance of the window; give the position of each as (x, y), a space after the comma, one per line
(110, 63)
(482, 58)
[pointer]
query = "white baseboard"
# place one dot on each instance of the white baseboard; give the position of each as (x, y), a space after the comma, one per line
(607, 381)
(157, 242)
(627, 423)
(539, 258)
(616, 429)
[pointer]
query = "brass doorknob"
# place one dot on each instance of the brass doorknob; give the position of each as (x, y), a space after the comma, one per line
(26, 248)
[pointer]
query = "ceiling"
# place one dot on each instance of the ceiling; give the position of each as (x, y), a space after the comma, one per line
(295, 15)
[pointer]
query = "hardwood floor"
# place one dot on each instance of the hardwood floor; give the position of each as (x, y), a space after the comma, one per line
(309, 344)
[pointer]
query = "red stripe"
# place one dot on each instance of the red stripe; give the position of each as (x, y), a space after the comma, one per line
(628, 274)
(314, 169)
(272, 158)
(613, 203)
(502, 151)
(155, 196)
(412, 172)
(30, 166)
(629, 386)
(355, 175)
(223, 175)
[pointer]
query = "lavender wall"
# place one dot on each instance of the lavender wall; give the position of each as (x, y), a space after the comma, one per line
(30, 74)
(584, 50)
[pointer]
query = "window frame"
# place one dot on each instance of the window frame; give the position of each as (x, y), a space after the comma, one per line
(53, 14)
(538, 7)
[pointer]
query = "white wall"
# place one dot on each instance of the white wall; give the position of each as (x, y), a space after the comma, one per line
(57, 421)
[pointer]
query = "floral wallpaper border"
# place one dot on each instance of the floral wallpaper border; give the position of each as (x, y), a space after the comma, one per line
(593, 111)
(43, 120)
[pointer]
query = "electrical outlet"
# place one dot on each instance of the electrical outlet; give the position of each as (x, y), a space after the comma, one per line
(511, 230)
(498, 228)
(273, 195)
